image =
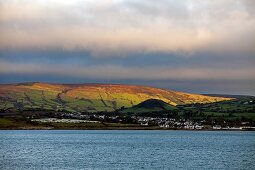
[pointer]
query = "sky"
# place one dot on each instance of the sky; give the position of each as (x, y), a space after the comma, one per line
(196, 46)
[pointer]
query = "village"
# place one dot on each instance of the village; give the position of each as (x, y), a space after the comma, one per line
(159, 122)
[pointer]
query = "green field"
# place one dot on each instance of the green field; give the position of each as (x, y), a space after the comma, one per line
(21, 123)
(243, 108)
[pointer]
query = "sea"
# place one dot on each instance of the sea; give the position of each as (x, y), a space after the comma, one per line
(126, 149)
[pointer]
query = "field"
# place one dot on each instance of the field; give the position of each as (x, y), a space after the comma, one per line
(21, 123)
(243, 108)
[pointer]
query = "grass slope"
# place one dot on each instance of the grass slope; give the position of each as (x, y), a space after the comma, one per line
(233, 109)
(88, 97)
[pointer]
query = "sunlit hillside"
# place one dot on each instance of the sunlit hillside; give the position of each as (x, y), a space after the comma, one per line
(88, 97)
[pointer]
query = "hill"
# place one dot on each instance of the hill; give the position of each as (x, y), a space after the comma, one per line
(89, 97)
(229, 96)
(237, 109)
(150, 105)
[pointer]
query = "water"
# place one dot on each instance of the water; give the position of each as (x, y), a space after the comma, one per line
(103, 149)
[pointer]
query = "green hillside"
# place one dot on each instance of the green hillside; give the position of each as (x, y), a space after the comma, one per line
(88, 97)
(242, 108)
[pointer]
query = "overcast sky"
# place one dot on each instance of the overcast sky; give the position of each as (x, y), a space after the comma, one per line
(197, 46)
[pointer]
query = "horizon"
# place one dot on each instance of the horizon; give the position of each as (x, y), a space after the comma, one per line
(189, 46)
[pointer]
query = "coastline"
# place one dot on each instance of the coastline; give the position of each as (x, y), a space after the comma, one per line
(15, 123)
(121, 128)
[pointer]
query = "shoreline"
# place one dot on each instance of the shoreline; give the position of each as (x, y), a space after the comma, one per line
(20, 123)
(121, 128)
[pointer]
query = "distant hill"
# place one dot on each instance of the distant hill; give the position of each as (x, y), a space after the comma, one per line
(89, 97)
(229, 96)
(150, 105)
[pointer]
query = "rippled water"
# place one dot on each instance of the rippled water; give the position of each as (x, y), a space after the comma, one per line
(103, 149)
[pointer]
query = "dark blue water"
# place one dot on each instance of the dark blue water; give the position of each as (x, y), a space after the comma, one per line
(103, 149)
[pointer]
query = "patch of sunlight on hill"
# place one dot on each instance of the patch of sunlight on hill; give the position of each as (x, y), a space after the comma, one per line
(90, 97)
